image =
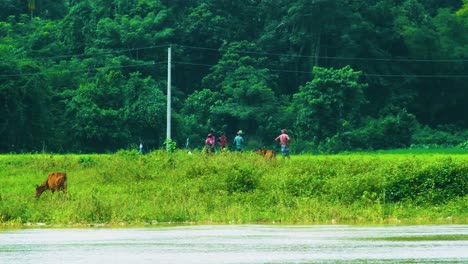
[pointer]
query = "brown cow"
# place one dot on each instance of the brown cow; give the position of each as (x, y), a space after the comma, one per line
(266, 153)
(56, 181)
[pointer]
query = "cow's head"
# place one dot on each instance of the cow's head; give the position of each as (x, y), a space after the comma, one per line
(39, 190)
(262, 151)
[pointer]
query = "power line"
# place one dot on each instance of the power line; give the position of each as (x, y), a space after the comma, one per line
(81, 70)
(416, 76)
(90, 54)
(246, 52)
(212, 65)
(310, 72)
(331, 57)
(233, 68)
(241, 51)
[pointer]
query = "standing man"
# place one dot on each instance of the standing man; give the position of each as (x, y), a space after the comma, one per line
(284, 142)
(238, 141)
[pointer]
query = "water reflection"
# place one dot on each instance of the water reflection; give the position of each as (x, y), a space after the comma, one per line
(232, 244)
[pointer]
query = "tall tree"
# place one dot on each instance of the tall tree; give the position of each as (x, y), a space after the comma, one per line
(24, 97)
(438, 48)
(198, 115)
(145, 110)
(246, 87)
(327, 104)
(305, 31)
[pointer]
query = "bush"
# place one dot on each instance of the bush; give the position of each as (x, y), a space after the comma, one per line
(391, 131)
(242, 178)
(432, 183)
(463, 145)
(427, 137)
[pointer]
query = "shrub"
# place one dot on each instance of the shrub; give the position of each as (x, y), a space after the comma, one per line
(429, 184)
(242, 178)
(463, 145)
(391, 131)
(426, 136)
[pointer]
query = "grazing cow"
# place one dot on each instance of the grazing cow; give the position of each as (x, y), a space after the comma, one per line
(266, 153)
(56, 181)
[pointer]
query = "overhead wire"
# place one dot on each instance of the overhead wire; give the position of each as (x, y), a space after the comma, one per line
(331, 57)
(338, 58)
(90, 54)
(309, 72)
(83, 70)
(246, 52)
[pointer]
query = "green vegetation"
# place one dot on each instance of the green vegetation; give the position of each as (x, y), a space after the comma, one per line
(161, 187)
(90, 76)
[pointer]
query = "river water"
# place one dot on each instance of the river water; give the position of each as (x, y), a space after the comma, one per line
(234, 244)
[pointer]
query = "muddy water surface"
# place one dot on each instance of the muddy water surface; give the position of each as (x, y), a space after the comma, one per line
(237, 244)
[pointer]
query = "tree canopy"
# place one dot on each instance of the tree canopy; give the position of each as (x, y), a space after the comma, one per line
(91, 76)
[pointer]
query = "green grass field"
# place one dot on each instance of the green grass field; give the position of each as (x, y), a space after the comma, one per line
(159, 187)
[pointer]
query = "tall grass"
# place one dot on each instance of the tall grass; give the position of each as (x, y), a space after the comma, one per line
(236, 188)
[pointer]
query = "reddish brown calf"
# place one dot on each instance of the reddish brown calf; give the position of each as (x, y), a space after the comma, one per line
(266, 153)
(56, 181)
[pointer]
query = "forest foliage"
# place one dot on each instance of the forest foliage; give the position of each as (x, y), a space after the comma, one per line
(91, 76)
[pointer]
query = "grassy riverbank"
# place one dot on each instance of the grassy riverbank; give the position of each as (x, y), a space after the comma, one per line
(127, 188)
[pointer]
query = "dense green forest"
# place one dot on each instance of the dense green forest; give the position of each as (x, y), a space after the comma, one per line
(91, 76)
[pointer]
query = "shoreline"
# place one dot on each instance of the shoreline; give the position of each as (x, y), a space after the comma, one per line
(156, 224)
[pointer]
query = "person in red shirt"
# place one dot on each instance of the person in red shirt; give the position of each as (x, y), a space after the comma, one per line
(210, 143)
(222, 141)
(284, 142)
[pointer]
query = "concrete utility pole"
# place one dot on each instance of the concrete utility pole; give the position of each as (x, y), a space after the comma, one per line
(32, 6)
(168, 122)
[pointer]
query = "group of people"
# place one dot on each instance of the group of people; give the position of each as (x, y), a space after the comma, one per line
(210, 142)
(238, 142)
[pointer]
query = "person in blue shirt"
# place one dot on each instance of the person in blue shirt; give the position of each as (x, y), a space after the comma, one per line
(239, 141)
(140, 149)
